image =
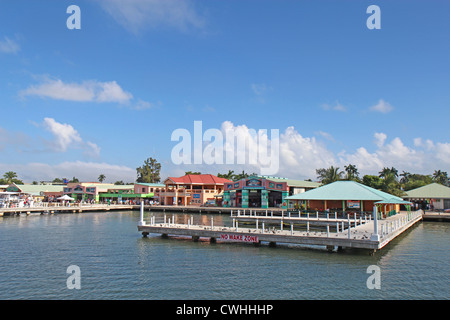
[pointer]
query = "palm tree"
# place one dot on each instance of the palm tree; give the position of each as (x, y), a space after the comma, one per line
(390, 182)
(386, 173)
(101, 178)
(352, 172)
(228, 175)
(440, 177)
(406, 176)
(329, 175)
(10, 176)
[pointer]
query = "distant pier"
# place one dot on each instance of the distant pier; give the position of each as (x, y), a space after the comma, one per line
(436, 216)
(57, 208)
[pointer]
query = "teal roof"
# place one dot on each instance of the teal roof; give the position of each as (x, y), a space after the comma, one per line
(36, 189)
(295, 183)
(430, 191)
(154, 185)
(393, 201)
(344, 190)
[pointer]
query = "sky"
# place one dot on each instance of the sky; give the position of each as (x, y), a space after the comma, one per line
(103, 98)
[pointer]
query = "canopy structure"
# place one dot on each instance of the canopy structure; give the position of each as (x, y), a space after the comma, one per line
(66, 197)
(347, 195)
(393, 201)
(407, 204)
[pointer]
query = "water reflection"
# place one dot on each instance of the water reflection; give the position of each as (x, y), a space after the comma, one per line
(117, 263)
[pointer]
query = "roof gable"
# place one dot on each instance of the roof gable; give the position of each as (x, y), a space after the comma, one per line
(430, 191)
(344, 190)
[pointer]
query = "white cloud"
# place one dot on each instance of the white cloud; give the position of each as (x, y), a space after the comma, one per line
(380, 138)
(112, 92)
(428, 144)
(9, 46)
(143, 105)
(325, 135)
(366, 162)
(65, 136)
(300, 156)
(382, 107)
(424, 158)
(296, 155)
(92, 150)
(138, 15)
(442, 152)
(87, 91)
(337, 107)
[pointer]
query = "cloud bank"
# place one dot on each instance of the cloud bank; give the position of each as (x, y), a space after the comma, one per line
(300, 156)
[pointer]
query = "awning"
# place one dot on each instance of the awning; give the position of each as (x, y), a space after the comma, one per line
(65, 197)
(393, 201)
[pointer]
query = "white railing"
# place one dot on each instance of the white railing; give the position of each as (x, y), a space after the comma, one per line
(389, 226)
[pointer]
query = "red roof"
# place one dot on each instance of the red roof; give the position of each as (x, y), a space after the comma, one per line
(199, 179)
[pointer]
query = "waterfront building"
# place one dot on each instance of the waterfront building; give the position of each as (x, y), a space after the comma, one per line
(150, 188)
(38, 192)
(346, 196)
(86, 191)
(18, 195)
(263, 191)
(192, 189)
(434, 196)
(106, 192)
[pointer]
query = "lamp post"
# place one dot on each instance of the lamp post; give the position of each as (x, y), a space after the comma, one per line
(375, 236)
(141, 219)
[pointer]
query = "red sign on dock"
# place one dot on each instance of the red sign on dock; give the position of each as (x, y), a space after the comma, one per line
(238, 237)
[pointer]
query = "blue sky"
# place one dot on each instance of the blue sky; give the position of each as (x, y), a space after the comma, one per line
(104, 98)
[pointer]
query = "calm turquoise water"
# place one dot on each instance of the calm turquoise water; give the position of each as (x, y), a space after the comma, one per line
(117, 263)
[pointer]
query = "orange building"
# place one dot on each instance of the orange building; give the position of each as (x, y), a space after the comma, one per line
(192, 189)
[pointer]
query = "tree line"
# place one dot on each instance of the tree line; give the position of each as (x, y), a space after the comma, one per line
(387, 180)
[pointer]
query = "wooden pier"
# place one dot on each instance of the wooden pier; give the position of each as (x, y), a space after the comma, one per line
(53, 209)
(338, 233)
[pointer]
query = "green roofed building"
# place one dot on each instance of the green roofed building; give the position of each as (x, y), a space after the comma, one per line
(345, 196)
(39, 190)
(435, 195)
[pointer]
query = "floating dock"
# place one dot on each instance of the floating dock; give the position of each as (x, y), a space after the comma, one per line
(351, 232)
(436, 216)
